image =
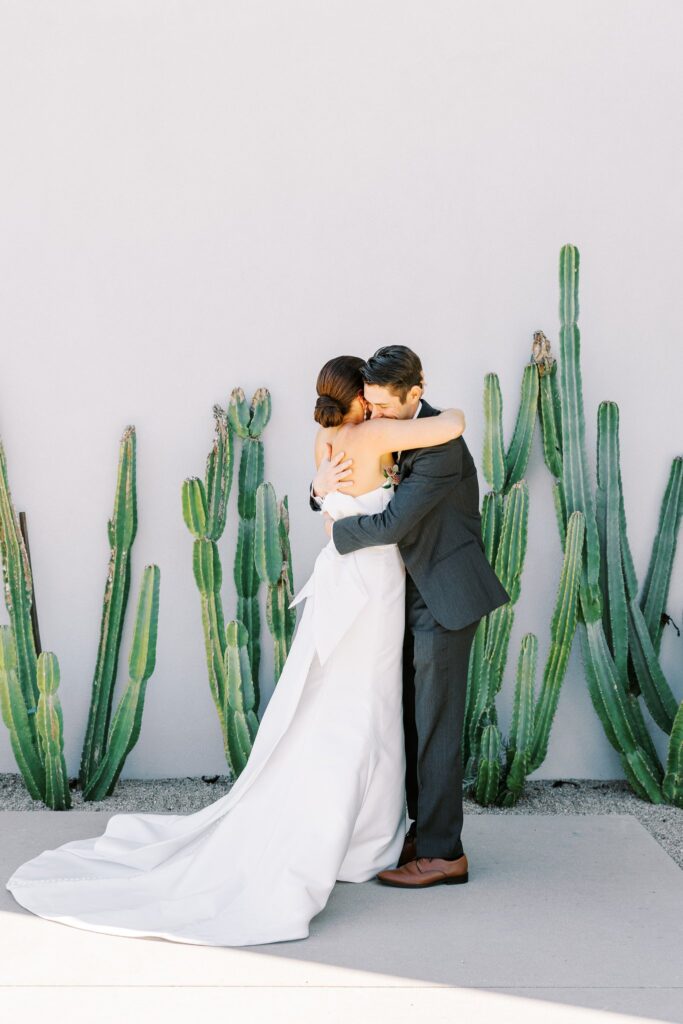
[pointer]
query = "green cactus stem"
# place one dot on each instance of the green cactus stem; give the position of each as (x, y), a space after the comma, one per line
(204, 506)
(127, 720)
(249, 422)
(562, 630)
(522, 725)
(51, 733)
(240, 696)
(121, 529)
(22, 733)
(274, 566)
(658, 577)
(488, 777)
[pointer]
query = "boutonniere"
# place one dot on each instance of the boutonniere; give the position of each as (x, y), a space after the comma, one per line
(391, 476)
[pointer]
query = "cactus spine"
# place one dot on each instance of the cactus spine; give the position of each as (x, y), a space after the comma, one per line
(249, 422)
(274, 566)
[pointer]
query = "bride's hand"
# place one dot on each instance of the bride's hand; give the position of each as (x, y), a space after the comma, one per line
(333, 474)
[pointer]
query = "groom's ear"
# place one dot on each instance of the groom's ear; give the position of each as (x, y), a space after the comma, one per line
(329, 451)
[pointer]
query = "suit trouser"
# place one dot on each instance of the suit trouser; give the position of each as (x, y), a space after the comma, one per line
(435, 662)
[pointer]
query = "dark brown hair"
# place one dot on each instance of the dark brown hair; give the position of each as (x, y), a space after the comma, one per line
(339, 382)
(395, 367)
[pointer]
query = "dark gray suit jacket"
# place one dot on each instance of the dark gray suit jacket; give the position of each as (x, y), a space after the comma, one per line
(434, 518)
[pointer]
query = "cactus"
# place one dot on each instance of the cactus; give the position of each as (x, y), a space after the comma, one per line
(522, 726)
(249, 423)
(562, 630)
(23, 735)
(620, 633)
(658, 577)
(127, 720)
(28, 683)
(240, 695)
(274, 566)
(488, 777)
(204, 505)
(51, 733)
(504, 533)
(121, 529)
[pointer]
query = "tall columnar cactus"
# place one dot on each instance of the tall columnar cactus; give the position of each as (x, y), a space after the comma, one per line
(240, 695)
(619, 633)
(127, 721)
(249, 422)
(28, 682)
(504, 532)
(495, 766)
(204, 506)
(121, 529)
(51, 733)
(274, 566)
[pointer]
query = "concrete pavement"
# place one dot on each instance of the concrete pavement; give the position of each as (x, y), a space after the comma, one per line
(565, 918)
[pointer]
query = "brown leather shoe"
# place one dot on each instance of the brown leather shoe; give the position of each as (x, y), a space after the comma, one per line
(409, 848)
(425, 871)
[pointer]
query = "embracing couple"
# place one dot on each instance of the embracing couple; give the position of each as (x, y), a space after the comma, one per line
(356, 770)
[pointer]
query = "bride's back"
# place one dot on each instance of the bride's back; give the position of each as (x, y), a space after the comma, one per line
(367, 469)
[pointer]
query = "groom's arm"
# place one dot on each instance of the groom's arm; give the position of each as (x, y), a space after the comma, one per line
(433, 474)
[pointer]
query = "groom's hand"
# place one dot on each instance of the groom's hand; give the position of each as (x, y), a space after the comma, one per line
(328, 523)
(333, 474)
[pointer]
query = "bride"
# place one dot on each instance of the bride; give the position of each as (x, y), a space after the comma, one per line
(322, 797)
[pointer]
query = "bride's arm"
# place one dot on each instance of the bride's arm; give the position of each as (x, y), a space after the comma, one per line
(389, 435)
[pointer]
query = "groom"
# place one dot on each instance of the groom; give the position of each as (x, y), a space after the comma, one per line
(434, 518)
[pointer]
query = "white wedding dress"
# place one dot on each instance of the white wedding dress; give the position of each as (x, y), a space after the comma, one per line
(321, 799)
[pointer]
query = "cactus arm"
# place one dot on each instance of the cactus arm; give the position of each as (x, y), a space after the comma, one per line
(562, 629)
(672, 787)
(615, 616)
(218, 476)
(574, 463)
(122, 528)
(658, 577)
(267, 549)
(51, 733)
(654, 687)
(550, 420)
(518, 453)
(493, 459)
(22, 732)
(488, 776)
(522, 725)
(241, 720)
(127, 720)
(18, 587)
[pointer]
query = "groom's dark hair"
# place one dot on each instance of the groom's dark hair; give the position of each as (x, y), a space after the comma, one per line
(395, 367)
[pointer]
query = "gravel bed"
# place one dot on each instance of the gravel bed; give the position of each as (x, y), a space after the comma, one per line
(543, 796)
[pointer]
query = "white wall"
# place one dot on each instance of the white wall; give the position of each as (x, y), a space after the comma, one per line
(199, 195)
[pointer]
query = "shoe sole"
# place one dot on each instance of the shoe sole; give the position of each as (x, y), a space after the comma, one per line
(458, 880)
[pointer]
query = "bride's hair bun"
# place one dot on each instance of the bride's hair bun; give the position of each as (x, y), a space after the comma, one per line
(328, 411)
(339, 382)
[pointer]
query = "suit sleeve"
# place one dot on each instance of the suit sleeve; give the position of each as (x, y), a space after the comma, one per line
(434, 473)
(314, 502)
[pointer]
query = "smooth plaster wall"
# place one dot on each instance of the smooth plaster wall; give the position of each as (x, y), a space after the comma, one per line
(200, 195)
